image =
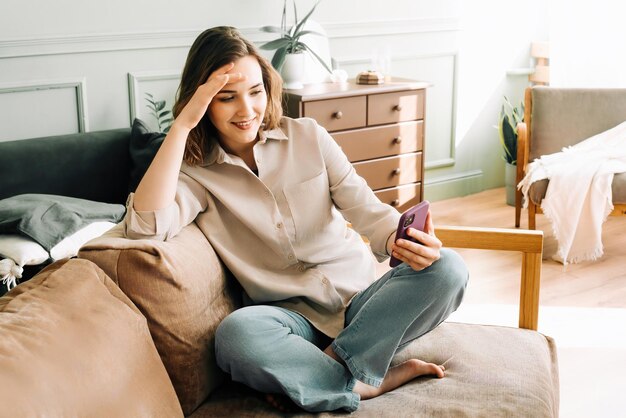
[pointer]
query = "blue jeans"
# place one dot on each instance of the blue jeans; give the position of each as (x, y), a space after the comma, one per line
(275, 350)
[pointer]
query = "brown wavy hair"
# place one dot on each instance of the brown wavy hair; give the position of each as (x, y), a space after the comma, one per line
(211, 50)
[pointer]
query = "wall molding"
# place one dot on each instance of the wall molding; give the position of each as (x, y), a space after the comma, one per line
(78, 84)
(447, 178)
(123, 41)
(135, 78)
(451, 159)
(453, 185)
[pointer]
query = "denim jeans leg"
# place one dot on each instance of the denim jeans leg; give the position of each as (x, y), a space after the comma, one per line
(402, 305)
(275, 350)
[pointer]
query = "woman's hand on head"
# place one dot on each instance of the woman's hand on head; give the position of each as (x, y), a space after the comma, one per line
(422, 254)
(197, 106)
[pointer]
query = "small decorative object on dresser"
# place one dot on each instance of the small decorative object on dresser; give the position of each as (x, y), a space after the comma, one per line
(379, 127)
(370, 77)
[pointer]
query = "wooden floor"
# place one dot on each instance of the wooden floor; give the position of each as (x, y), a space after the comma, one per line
(582, 306)
(495, 275)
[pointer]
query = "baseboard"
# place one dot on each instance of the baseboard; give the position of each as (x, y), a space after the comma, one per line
(453, 185)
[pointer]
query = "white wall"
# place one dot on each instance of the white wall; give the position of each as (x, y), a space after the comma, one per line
(70, 65)
(587, 43)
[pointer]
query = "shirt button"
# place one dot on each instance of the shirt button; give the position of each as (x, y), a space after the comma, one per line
(279, 225)
(325, 280)
(290, 256)
(301, 267)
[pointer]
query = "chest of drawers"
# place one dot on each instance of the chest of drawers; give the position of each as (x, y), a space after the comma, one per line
(379, 127)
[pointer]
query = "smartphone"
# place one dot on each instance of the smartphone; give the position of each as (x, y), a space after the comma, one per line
(415, 218)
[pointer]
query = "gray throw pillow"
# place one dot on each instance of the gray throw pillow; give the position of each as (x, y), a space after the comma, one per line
(48, 219)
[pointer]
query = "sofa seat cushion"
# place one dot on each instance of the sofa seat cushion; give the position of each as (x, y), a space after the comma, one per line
(181, 287)
(538, 189)
(490, 371)
(72, 344)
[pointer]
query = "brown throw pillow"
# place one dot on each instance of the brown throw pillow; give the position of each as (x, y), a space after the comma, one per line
(72, 344)
(181, 287)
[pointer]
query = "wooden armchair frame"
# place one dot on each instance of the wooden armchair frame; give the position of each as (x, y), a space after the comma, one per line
(524, 142)
(529, 243)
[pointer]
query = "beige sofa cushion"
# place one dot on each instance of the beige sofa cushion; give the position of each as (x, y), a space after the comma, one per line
(491, 371)
(181, 288)
(73, 345)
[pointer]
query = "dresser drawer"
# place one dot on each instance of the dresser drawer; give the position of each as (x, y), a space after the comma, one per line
(401, 197)
(337, 114)
(363, 144)
(395, 107)
(391, 171)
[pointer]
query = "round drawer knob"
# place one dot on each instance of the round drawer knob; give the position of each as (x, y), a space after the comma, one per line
(337, 115)
(397, 140)
(397, 108)
(396, 172)
(395, 203)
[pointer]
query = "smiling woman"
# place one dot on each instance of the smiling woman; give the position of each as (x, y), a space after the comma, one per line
(305, 276)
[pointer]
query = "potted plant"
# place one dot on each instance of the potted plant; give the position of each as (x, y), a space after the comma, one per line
(288, 58)
(510, 116)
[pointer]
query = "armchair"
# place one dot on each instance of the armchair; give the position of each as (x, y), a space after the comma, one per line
(558, 117)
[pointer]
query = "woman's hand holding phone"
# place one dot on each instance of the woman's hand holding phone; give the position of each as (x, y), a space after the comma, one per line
(422, 253)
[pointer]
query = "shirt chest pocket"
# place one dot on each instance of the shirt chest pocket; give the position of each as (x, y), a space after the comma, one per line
(310, 205)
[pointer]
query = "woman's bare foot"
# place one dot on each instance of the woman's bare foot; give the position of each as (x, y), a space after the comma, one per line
(281, 402)
(396, 376)
(399, 375)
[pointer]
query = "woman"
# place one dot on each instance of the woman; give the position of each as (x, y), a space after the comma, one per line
(272, 195)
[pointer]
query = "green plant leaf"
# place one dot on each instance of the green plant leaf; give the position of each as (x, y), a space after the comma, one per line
(164, 113)
(319, 59)
(279, 58)
(303, 21)
(271, 29)
(509, 139)
(311, 32)
(160, 105)
(276, 44)
(283, 20)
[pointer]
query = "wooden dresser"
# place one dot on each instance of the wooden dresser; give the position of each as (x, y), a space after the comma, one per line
(379, 127)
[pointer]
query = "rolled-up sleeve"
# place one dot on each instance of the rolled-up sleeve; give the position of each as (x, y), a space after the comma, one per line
(165, 223)
(355, 199)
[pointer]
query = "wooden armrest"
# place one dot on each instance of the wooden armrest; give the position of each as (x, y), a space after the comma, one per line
(528, 242)
(522, 150)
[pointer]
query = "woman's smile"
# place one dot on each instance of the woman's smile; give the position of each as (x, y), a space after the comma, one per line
(244, 125)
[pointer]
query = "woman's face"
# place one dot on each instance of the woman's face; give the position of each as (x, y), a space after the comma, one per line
(237, 110)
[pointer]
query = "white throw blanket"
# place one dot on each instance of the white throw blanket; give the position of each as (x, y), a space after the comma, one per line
(579, 198)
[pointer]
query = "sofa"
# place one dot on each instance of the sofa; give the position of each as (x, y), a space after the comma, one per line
(127, 327)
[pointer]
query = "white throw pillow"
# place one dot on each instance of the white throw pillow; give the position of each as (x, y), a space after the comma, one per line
(26, 252)
(69, 246)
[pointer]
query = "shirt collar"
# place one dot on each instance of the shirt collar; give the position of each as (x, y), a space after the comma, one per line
(219, 156)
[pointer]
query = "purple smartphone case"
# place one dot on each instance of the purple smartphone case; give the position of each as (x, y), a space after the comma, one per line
(415, 218)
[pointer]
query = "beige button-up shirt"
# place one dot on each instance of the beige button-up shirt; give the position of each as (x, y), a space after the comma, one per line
(283, 234)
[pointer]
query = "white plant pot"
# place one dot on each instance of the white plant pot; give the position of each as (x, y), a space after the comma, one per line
(293, 71)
